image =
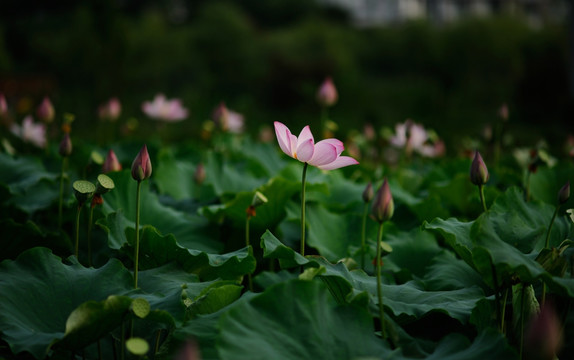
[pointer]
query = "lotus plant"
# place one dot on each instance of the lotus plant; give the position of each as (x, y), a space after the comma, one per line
(83, 190)
(479, 176)
(105, 184)
(326, 155)
(382, 210)
(65, 150)
(141, 170)
(258, 200)
(165, 110)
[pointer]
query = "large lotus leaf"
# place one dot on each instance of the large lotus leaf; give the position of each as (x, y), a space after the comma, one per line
(278, 192)
(487, 345)
(265, 155)
(509, 236)
(297, 320)
(175, 177)
(422, 208)
(546, 182)
(275, 249)
(39, 292)
(409, 299)
(31, 185)
(447, 272)
(157, 250)
(226, 177)
(19, 237)
(190, 230)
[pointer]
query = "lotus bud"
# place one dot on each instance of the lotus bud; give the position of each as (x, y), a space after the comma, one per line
(65, 149)
(478, 171)
(111, 163)
(3, 106)
(544, 334)
(368, 193)
(141, 167)
(199, 174)
(327, 93)
(503, 112)
(564, 193)
(45, 111)
(383, 206)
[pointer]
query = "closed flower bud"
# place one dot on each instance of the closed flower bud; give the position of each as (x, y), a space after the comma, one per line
(327, 93)
(383, 206)
(199, 174)
(564, 193)
(368, 193)
(141, 167)
(65, 149)
(46, 111)
(111, 163)
(478, 171)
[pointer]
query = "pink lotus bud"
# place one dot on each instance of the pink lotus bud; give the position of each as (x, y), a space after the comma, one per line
(327, 93)
(478, 171)
(3, 106)
(503, 112)
(141, 167)
(383, 206)
(110, 110)
(544, 335)
(111, 163)
(199, 175)
(46, 111)
(65, 146)
(368, 193)
(564, 193)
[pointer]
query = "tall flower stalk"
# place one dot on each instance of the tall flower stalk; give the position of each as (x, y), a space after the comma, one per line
(65, 150)
(258, 200)
(141, 170)
(479, 176)
(326, 155)
(105, 184)
(382, 210)
(83, 190)
(367, 197)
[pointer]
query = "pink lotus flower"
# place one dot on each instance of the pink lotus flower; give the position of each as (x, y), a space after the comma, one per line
(111, 163)
(3, 106)
(165, 110)
(110, 110)
(414, 138)
(228, 119)
(325, 154)
(45, 111)
(327, 94)
(30, 132)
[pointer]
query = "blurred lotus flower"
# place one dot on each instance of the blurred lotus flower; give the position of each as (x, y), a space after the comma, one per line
(189, 351)
(478, 171)
(369, 132)
(45, 111)
(110, 110)
(503, 112)
(368, 193)
(30, 132)
(383, 206)
(327, 93)
(266, 134)
(65, 148)
(3, 106)
(111, 163)
(141, 167)
(199, 174)
(228, 120)
(413, 137)
(325, 154)
(165, 110)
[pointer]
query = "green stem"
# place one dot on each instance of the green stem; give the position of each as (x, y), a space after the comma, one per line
(78, 230)
(99, 349)
(157, 339)
(547, 246)
(364, 235)
(249, 278)
(481, 193)
(523, 291)
(60, 203)
(137, 248)
(528, 186)
(496, 293)
(504, 299)
(379, 283)
(90, 219)
(303, 209)
(123, 342)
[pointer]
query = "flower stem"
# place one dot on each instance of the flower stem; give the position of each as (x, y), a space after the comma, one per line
(379, 284)
(504, 299)
(60, 203)
(90, 219)
(78, 230)
(249, 278)
(528, 186)
(522, 293)
(303, 209)
(481, 193)
(547, 246)
(363, 236)
(496, 293)
(137, 247)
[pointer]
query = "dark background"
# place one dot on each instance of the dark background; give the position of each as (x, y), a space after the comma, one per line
(266, 59)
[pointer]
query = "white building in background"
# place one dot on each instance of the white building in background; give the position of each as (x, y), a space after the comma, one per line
(383, 12)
